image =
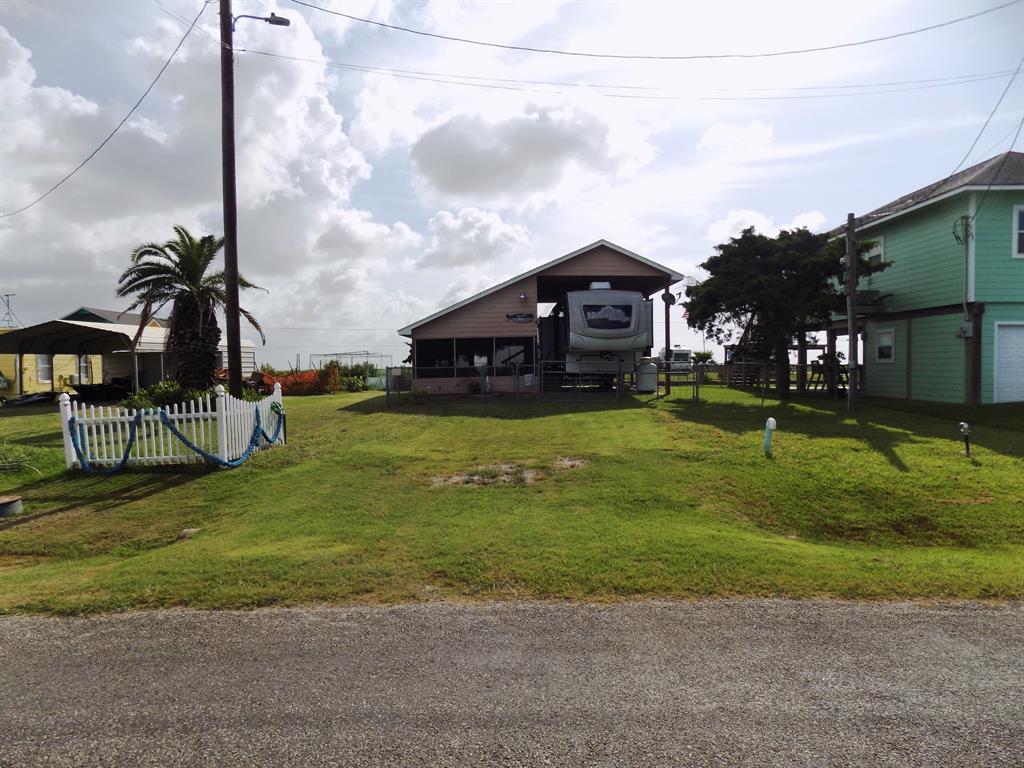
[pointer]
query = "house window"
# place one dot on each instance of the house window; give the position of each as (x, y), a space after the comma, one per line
(885, 346)
(473, 354)
(875, 255)
(435, 358)
(510, 352)
(1018, 231)
(83, 369)
(44, 369)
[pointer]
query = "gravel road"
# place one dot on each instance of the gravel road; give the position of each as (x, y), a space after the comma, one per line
(729, 683)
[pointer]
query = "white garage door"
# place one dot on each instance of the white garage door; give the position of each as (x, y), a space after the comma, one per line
(1009, 362)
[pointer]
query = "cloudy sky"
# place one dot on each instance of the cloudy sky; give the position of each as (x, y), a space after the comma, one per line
(424, 170)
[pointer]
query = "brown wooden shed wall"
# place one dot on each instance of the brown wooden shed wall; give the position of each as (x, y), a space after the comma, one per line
(486, 316)
(599, 262)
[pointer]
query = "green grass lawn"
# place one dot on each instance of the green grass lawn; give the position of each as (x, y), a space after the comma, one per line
(674, 499)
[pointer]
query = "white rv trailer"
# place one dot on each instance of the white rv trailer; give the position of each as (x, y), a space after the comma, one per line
(607, 331)
(678, 358)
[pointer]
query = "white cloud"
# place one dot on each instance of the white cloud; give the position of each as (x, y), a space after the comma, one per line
(736, 221)
(471, 237)
(468, 156)
(812, 220)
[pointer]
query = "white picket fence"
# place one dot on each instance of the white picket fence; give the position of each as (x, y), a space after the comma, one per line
(222, 426)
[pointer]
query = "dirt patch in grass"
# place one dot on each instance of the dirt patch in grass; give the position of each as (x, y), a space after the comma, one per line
(495, 474)
(569, 462)
(505, 474)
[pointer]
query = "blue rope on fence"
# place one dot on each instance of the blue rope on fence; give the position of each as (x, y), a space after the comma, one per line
(258, 433)
(77, 433)
(254, 441)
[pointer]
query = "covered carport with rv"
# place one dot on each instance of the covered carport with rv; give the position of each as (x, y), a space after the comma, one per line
(542, 324)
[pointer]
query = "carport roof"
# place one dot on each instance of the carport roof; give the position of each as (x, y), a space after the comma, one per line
(76, 337)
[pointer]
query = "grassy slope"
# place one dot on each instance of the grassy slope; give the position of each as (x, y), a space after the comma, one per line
(676, 499)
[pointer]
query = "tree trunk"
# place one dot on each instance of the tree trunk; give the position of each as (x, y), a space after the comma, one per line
(782, 369)
(192, 345)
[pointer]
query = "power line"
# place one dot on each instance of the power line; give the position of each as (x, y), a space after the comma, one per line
(992, 181)
(117, 127)
(977, 138)
(690, 57)
(936, 187)
(507, 84)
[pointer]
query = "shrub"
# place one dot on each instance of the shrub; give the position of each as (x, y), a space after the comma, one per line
(162, 394)
(353, 384)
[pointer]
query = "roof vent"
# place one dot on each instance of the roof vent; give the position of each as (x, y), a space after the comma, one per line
(601, 286)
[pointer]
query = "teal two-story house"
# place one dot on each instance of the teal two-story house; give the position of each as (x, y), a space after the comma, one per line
(945, 320)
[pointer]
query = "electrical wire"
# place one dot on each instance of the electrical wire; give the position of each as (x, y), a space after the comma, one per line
(689, 57)
(991, 114)
(118, 126)
(936, 187)
(507, 84)
(999, 168)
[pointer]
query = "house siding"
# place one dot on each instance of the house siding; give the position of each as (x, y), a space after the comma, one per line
(926, 264)
(64, 366)
(939, 357)
(600, 262)
(486, 316)
(887, 379)
(998, 276)
(995, 313)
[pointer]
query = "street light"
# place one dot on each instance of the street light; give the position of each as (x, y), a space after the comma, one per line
(273, 19)
(227, 138)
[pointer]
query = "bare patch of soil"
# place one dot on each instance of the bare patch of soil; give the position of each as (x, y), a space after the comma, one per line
(505, 474)
(569, 462)
(495, 474)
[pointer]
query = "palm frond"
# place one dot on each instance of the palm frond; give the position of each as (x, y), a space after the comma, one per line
(254, 323)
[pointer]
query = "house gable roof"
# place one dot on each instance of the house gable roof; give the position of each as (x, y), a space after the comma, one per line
(1005, 170)
(670, 273)
(94, 315)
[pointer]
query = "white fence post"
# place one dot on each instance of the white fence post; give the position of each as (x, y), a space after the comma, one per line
(222, 422)
(278, 398)
(65, 416)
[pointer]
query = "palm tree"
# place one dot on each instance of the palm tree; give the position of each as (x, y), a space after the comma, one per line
(176, 273)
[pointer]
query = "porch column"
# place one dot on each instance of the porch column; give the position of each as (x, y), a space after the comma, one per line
(831, 363)
(972, 349)
(668, 337)
(801, 361)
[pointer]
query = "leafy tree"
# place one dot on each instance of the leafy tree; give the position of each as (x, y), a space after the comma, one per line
(703, 358)
(784, 284)
(176, 273)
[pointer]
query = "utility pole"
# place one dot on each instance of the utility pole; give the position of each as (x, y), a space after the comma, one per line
(851, 314)
(227, 143)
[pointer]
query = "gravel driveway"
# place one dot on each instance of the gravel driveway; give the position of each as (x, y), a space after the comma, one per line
(730, 683)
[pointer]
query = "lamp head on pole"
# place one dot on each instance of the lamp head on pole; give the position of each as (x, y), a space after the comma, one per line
(273, 19)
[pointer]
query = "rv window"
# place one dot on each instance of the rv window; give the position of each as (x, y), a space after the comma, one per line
(608, 316)
(83, 369)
